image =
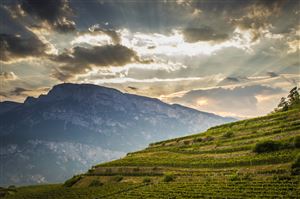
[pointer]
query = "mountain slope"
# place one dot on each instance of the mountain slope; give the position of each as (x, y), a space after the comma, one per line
(256, 158)
(7, 106)
(77, 125)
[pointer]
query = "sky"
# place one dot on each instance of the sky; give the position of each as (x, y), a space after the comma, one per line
(230, 57)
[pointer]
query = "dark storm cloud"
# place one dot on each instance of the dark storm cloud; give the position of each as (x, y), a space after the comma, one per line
(13, 47)
(206, 33)
(55, 12)
(81, 59)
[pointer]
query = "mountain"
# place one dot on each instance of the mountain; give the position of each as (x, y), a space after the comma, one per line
(77, 125)
(254, 158)
(7, 106)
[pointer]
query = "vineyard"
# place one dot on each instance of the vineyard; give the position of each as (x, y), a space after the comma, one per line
(255, 158)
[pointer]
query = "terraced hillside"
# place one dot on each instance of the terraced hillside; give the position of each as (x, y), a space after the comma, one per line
(255, 158)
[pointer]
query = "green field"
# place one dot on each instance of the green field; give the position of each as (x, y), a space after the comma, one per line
(255, 158)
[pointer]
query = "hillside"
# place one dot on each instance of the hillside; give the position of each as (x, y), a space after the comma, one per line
(75, 126)
(255, 158)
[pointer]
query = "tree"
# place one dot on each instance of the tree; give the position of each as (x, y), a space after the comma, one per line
(283, 105)
(293, 97)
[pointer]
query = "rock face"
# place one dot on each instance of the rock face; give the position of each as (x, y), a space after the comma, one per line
(77, 125)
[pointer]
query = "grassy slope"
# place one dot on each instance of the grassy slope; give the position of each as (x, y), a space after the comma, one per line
(217, 163)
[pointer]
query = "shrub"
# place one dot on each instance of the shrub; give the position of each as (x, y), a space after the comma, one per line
(218, 143)
(3, 194)
(118, 178)
(146, 180)
(137, 169)
(95, 183)
(284, 177)
(169, 178)
(11, 187)
(198, 140)
(186, 142)
(296, 166)
(234, 177)
(108, 170)
(72, 181)
(297, 142)
(228, 134)
(247, 176)
(154, 168)
(208, 138)
(266, 146)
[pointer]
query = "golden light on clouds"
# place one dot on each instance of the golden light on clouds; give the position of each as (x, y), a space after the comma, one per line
(201, 102)
(92, 39)
(147, 44)
(294, 46)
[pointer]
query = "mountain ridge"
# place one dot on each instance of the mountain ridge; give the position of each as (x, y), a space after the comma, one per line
(97, 118)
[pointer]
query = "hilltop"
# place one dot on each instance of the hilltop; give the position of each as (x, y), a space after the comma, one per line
(254, 158)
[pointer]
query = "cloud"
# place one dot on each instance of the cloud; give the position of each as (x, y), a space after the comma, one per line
(258, 17)
(240, 40)
(206, 33)
(274, 5)
(239, 101)
(272, 74)
(152, 80)
(16, 46)
(159, 87)
(132, 88)
(294, 46)
(97, 36)
(20, 91)
(56, 13)
(80, 60)
(174, 44)
(110, 32)
(233, 80)
(8, 76)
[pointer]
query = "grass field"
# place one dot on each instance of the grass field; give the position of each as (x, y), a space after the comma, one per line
(255, 158)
